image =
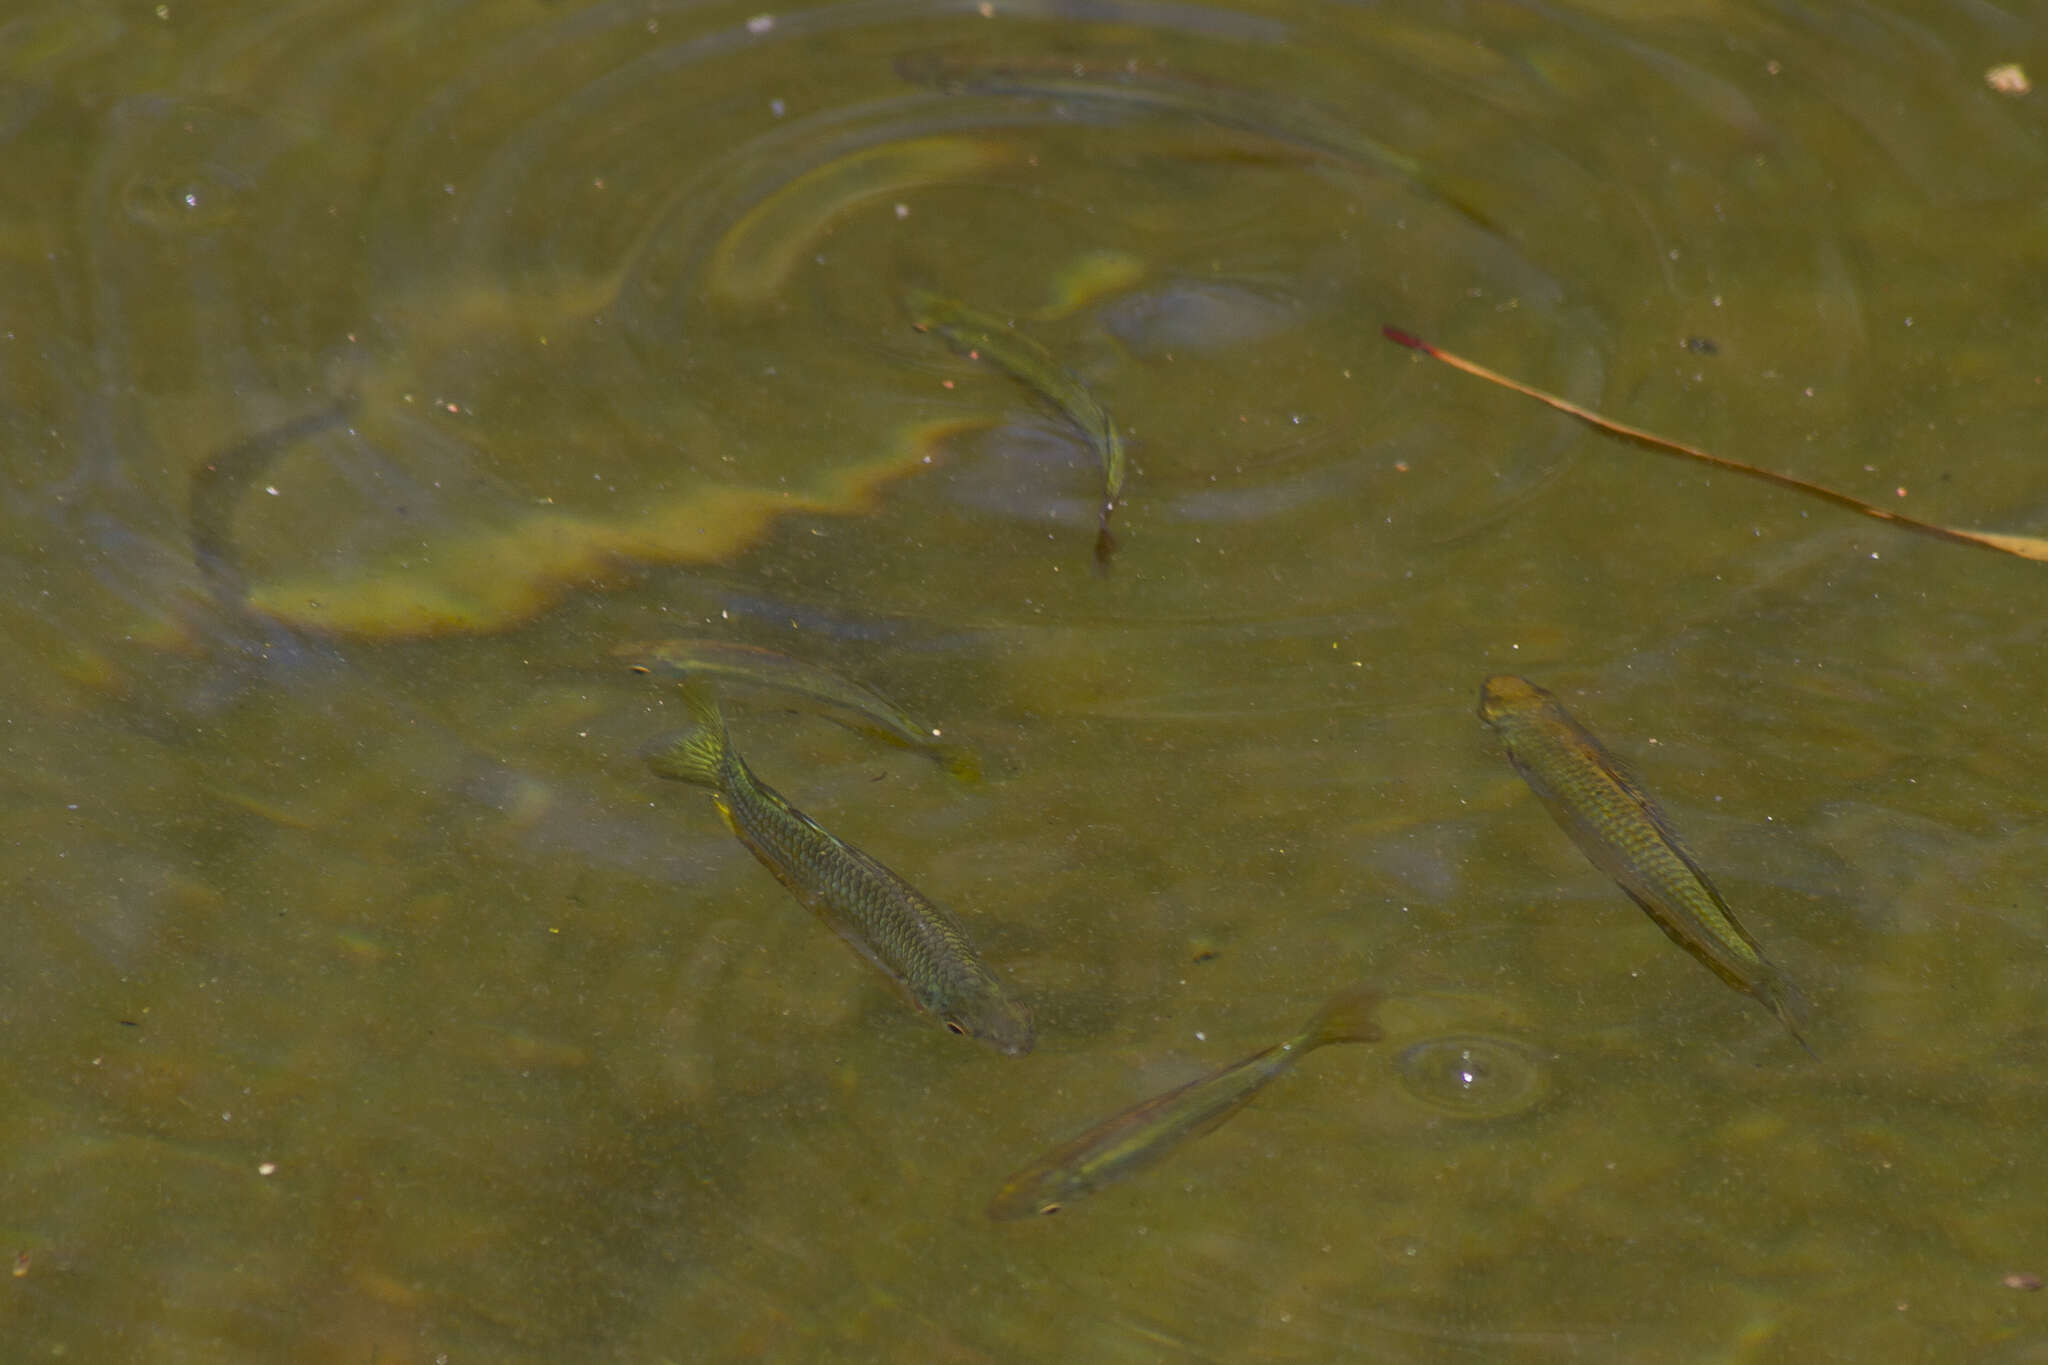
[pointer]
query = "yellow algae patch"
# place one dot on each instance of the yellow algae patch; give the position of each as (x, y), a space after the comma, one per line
(453, 315)
(1091, 276)
(385, 1288)
(361, 948)
(755, 257)
(84, 667)
(489, 578)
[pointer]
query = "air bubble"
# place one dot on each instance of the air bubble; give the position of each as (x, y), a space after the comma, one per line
(1476, 1075)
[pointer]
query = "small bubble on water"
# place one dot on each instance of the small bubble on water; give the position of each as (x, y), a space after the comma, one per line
(1475, 1075)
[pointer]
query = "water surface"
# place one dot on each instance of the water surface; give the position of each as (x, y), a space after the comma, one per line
(367, 1000)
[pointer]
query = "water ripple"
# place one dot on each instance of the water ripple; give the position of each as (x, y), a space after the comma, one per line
(1476, 1075)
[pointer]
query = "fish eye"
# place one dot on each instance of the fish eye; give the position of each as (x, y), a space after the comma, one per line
(953, 1026)
(1050, 1209)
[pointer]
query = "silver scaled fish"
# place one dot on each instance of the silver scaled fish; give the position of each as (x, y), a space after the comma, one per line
(918, 946)
(984, 336)
(845, 699)
(1144, 1135)
(1624, 834)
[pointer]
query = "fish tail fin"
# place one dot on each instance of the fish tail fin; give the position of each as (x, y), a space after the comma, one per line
(1349, 1017)
(1791, 1006)
(1105, 542)
(699, 756)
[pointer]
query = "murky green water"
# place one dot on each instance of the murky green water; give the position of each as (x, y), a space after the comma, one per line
(367, 1000)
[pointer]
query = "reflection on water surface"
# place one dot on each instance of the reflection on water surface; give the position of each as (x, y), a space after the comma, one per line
(370, 1001)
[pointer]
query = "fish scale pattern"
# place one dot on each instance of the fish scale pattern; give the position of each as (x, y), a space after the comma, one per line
(1624, 834)
(920, 947)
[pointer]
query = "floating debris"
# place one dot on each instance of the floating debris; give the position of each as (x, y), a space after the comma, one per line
(2010, 78)
(2026, 547)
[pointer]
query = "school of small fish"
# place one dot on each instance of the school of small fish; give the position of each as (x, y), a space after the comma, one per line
(928, 956)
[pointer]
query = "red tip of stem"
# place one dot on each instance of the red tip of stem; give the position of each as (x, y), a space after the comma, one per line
(1401, 338)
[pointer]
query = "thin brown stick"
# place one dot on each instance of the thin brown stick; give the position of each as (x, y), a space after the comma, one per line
(2026, 547)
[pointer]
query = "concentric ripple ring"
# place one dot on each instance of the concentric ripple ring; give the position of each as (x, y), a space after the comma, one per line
(1476, 1075)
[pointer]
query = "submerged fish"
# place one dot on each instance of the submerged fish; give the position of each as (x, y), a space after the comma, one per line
(914, 943)
(983, 335)
(1626, 836)
(1287, 126)
(1146, 1134)
(871, 714)
(218, 485)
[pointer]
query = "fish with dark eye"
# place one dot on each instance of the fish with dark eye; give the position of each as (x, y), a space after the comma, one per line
(985, 336)
(1146, 1134)
(843, 698)
(921, 949)
(1624, 834)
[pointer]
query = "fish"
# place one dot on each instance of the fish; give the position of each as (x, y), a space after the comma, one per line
(985, 336)
(1146, 1134)
(1145, 88)
(921, 949)
(218, 485)
(847, 701)
(1624, 834)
